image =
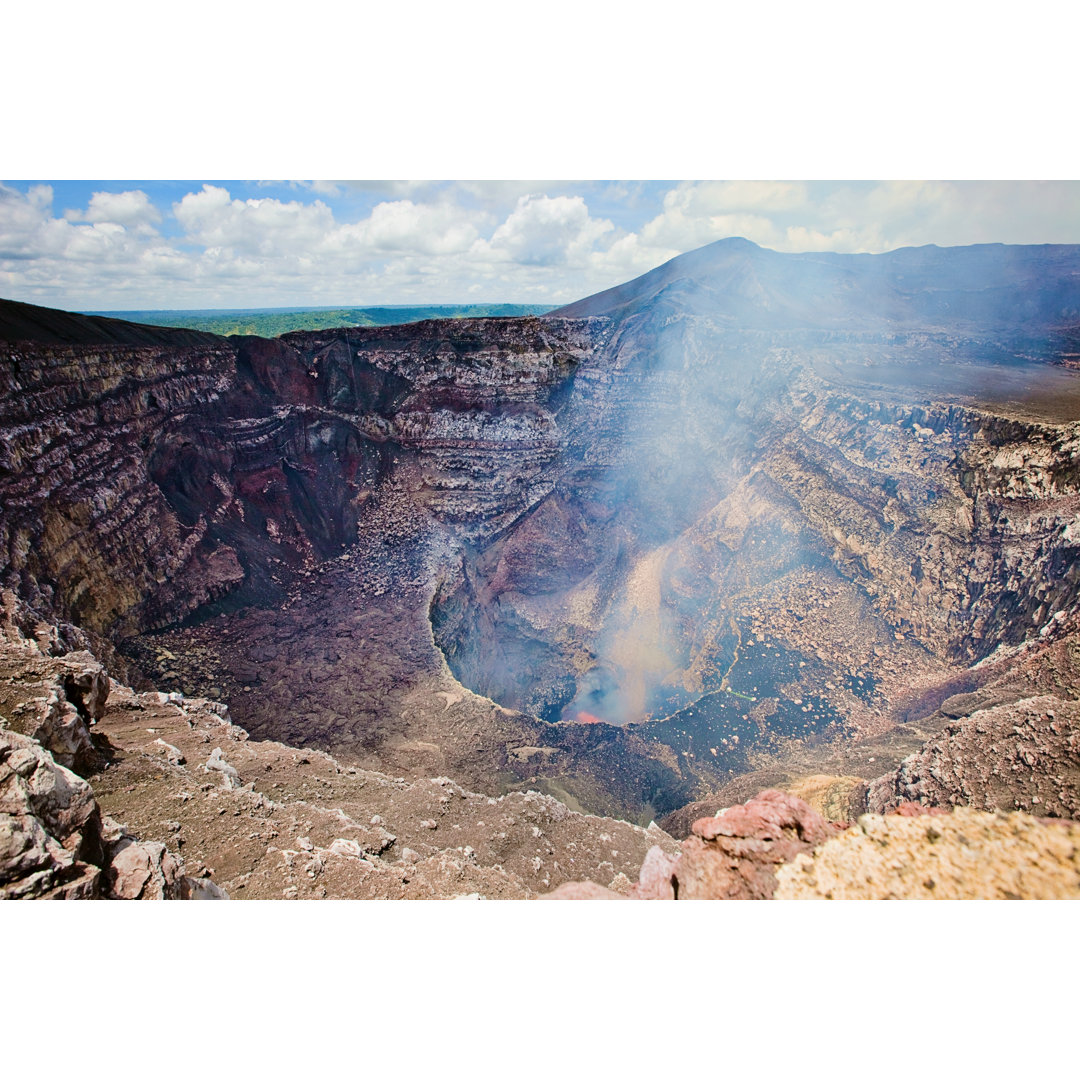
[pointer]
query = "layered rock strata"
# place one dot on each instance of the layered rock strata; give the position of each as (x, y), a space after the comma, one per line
(140, 482)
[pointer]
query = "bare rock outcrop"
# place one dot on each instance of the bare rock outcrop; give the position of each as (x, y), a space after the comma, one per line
(775, 847)
(54, 841)
(56, 845)
(50, 826)
(965, 855)
(1024, 755)
(73, 698)
(732, 856)
(735, 855)
(143, 871)
(56, 688)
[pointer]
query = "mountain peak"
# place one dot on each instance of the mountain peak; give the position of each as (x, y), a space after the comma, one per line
(945, 287)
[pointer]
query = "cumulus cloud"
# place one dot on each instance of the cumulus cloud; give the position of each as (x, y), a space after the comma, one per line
(27, 227)
(28, 230)
(213, 218)
(47, 259)
(543, 231)
(404, 226)
(127, 208)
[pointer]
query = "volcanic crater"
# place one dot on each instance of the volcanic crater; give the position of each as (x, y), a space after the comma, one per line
(751, 516)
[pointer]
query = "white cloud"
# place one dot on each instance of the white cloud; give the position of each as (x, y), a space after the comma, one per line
(870, 217)
(213, 218)
(502, 196)
(680, 229)
(544, 231)
(403, 226)
(712, 197)
(25, 221)
(968, 212)
(626, 258)
(28, 230)
(128, 208)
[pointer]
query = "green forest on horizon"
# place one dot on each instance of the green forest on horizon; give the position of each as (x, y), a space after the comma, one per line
(272, 322)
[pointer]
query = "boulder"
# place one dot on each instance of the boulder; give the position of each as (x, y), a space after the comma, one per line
(143, 871)
(59, 727)
(86, 685)
(734, 856)
(50, 825)
(655, 879)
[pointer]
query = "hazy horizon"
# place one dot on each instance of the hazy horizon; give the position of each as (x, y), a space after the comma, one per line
(299, 307)
(242, 245)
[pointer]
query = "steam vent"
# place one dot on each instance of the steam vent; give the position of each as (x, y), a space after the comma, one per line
(513, 607)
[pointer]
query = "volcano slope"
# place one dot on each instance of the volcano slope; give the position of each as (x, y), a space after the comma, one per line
(751, 519)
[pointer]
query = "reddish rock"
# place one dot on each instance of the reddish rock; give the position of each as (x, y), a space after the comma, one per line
(734, 856)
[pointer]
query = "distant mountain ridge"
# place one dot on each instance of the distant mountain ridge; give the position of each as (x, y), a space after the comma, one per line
(28, 322)
(1031, 287)
(273, 322)
(49, 326)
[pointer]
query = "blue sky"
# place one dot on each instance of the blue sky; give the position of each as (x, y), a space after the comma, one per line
(115, 245)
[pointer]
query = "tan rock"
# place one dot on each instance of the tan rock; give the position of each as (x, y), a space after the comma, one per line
(967, 855)
(144, 871)
(830, 796)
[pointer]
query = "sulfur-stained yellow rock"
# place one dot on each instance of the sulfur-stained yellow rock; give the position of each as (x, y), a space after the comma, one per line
(830, 796)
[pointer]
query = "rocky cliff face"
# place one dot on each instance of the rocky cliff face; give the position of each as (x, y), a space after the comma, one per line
(747, 509)
(55, 842)
(766, 534)
(141, 482)
(85, 531)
